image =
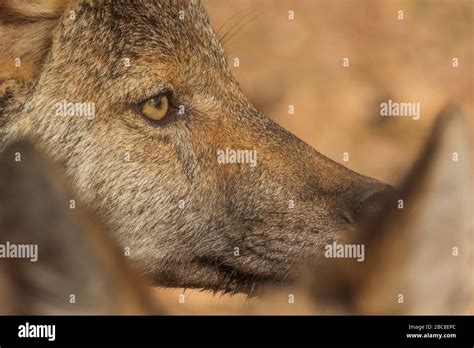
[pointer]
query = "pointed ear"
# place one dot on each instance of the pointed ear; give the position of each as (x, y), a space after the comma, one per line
(26, 28)
(68, 263)
(418, 251)
(420, 262)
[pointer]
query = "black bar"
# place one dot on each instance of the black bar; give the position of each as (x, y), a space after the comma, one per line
(223, 330)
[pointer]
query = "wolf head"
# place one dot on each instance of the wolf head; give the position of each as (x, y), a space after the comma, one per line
(136, 100)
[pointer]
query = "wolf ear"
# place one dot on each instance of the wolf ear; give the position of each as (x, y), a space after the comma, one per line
(69, 264)
(26, 28)
(420, 260)
(418, 252)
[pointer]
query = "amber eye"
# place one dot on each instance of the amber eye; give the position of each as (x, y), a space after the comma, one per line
(156, 107)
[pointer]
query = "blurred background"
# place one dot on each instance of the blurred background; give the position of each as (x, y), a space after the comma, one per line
(299, 62)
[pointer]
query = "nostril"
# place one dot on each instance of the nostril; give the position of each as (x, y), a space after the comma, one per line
(374, 203)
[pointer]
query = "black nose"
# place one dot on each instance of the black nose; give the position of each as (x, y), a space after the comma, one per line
(375, 202)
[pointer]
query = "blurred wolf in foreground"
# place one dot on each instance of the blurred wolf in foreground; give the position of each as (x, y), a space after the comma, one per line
(136, 101)
(408, 251)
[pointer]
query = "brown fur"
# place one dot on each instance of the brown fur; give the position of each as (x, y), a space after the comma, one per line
(226, 206)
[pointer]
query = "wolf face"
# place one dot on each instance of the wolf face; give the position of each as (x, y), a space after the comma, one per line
(148, 158)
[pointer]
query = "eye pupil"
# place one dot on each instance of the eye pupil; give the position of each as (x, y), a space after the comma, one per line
(155, 101)
(155, 108)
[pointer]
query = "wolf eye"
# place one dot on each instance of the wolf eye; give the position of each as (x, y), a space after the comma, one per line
(156, 108)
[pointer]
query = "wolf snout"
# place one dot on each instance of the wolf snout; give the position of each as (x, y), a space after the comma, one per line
(375, 202)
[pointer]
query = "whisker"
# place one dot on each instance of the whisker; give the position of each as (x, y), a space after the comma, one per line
(229, 35)
(236, 25)
(218, 31)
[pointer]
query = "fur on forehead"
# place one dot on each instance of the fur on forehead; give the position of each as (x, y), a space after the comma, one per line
(178, 30)
(150, 23)
(174, 20)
